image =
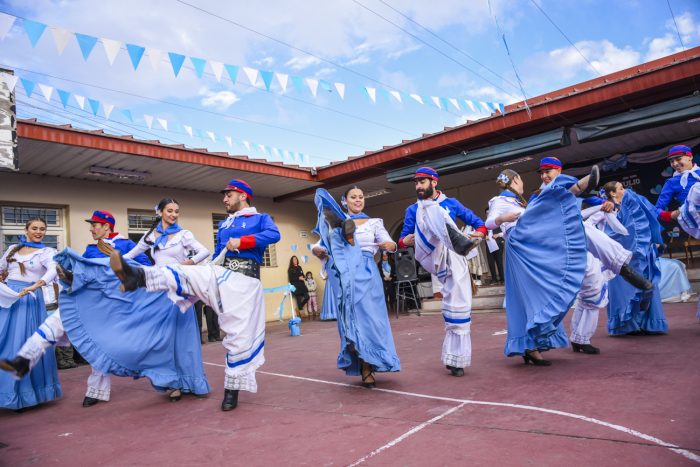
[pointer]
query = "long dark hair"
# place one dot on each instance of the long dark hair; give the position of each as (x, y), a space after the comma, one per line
(291, 263)
(161, 205)
(504, 180)
(11, 255)
(343, 199)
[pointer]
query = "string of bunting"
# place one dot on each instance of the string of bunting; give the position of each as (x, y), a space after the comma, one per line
(269, 79)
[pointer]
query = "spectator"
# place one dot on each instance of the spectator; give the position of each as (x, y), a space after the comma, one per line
(296, 277)
(213, 330)
(495, 246)
(312, 306)
(388, 275)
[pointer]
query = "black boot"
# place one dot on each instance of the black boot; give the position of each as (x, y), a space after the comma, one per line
(130, 277)
(347, 225)
(585, 348)
(90, 401)
(460, 242)
(230, 400)
(18, 365)
(634, 278)
(454, 371)
(64, 274)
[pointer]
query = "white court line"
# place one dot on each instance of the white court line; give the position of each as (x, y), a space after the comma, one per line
(638, 434)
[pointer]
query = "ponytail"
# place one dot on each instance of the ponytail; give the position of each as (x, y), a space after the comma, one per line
(159, 208)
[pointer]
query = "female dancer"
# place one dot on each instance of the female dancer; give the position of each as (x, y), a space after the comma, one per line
(634, 311)
(349, 243)
(28, 265)
(545, 263)
(295, 275)
(170, 244)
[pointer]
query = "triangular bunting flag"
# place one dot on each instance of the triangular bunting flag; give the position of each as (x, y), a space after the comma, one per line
(313, 85)
(28, 86)
(252, 74)
(325, 85)
(267, 78)
(86, 43)
(444, 105)
(127, 114)
(163, 122)
(80, 100)
(247, 144)
(149, 120)
(61, 37)
(155, 56)
(436, 101)
(63, 96)
(454, 102)
(232, 71)
(485, 106)
(396, 95)
(6, 22)
(107, 109)
(211, 135)
(372, 93)
(176, 60)
(276, 153)
(384, 93)
(217, 68)
(111, 49)
(47, 91)
(198, 133)
(283, 80)
(470, 104)
(502, 108)
(493, 106)
(229, 141)
(94, 105)
(10, 80)
(417, 98)
(340, 87)
(188, 129)
(298, 84)
(34, 30)
(135, 54)
(198, 64)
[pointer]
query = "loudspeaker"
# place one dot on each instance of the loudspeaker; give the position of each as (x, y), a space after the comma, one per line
(405, 265)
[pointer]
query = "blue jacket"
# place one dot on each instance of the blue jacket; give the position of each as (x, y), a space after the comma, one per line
(256, 232)
(569, 182)
(454, 208)
(123, 245)
(673, 190)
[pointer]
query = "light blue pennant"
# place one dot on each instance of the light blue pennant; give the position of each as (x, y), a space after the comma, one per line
(28, 86)
(176, 60)
(198, 64)
(267, 78)
(94, 105)
(298, 84)
(294, 247)
(325, 85)
(502, 108)
(127, 114)
(86, 44)
(232, 71)
(445, 103)
(64, 96)
(34, 30)
(135, 54)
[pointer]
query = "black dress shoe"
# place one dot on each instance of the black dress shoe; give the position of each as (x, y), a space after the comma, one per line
(230, 400)
(131, 278)
(90, 401)
(535, 361)
(454, 371)
(347, 225)
(634, 278)
(460, 242)
(211, 339)
(585, 348)
(18, 365)
(64, 274)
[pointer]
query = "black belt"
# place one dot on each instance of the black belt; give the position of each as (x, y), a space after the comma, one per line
(249, 267)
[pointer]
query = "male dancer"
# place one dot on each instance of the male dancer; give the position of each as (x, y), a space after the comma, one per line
(51, 332)
(234, 291)
(440, 248)
(681, 188)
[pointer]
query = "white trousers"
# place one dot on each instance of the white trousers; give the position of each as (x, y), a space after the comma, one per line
(51, 333)
(240, 304)
(610, 253)
(592, 297)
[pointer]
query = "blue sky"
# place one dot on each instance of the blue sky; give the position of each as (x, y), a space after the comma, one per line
(359, 43)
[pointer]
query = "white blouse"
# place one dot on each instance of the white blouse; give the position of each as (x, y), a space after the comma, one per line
(38, 264)
(175, 249)
(368, 235)
(498, 206)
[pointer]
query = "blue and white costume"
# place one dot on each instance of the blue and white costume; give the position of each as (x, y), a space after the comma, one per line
(685, 189)
(19, 318)
(363, 321)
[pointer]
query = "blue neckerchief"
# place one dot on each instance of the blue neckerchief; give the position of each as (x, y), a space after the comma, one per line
(386, 267)
(361, 215)
(24, 242)
(163, 239)
(509, 194)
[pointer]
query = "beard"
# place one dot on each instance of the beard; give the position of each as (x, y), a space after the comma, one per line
(428, 193)
(233, 208)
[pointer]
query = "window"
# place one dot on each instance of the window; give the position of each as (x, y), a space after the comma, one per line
(270, 254)
(13, 218)
(139, 223)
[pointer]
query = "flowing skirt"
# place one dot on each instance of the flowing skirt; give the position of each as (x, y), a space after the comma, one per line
(329, 307)
(363, 320)
(674, 285)
(136, 334)
(17, 324)
(545, 261)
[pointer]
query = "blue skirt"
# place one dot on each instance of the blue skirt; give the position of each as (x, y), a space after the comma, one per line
(363, 320)
(329, 307)
(17, 324)
(545, 261)
(136, 334)
(630, 309)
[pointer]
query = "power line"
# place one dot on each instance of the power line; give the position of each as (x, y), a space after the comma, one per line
(680, 39)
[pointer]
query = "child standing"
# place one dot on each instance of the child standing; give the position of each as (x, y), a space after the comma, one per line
(312, 306)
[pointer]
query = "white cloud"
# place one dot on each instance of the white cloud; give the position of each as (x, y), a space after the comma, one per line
(266, 62)
(662, 46)
(687, 27)
(220, 100)
(300, 63)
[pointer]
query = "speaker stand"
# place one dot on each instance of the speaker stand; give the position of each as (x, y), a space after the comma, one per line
(406, 290)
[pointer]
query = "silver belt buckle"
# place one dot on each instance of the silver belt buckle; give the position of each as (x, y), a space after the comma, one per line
(234, 265)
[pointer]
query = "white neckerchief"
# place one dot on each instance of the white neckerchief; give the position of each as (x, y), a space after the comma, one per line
(684, 175)
(231, 217)
(110, 241)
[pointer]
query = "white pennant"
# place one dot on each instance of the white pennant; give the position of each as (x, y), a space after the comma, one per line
(163, 122)
(107, 109)
(485, 106)
(188, 129)
(262, 147)
(313, 85)
(6, 22)
(61, 37)
(80, 100)
(149, 120)
(436, 101)
(276, 153)
(217, 68)
(252, 74)
(47, 91)
(211, 135)
(340, 87)
(283, 80)
(454, 102)
(111, 49)
(396, 94)
(10, 80)
(470, 104)
(417, 98)
(155, 56)
(229, 140)
(286, 156)
(247, 144)
(372, 93)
